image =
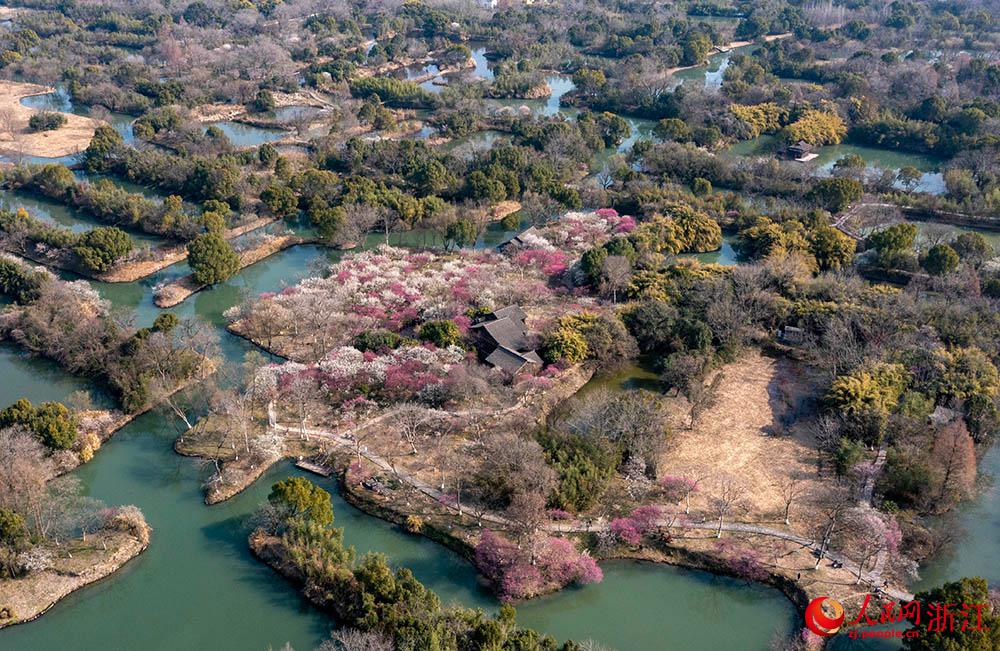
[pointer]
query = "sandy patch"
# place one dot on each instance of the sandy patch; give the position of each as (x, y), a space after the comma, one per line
(77, 564)
(71, 138)
(223, 112)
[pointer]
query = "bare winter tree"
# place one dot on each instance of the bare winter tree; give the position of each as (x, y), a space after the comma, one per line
(410, 420)
(686, 373)
(358, 220)
(832, 509)
(7, 123)
(790, 489)
(237, 409)
(527, 514)
(728, 500)
(352, 639)
(24, 471)
(511, 465)
(633, 419)
(616, 272)
(302, 392)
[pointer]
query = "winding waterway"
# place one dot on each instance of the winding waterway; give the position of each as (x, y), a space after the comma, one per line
(197, 586)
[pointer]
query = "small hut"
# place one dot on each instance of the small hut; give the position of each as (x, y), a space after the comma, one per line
(801, 151)
(503, 341)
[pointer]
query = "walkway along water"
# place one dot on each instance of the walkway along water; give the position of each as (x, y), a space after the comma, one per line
(873, 578)
(199, 572)
(197, 586)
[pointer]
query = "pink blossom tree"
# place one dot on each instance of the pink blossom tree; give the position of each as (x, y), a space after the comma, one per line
(643, 519)
(517, 574)
(867, 533)
(625, 530)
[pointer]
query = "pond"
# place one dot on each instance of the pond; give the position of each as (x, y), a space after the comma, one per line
(878, 158)
(551, 105)
(726, 255)
(60, 100)
(483, 70)
(710, 75)
(248, 135)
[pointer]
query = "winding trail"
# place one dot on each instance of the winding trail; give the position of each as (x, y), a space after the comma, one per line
(959, 218)
(873, 578)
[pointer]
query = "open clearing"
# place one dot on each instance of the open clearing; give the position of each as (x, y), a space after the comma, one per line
(71, 138)
(741, 438)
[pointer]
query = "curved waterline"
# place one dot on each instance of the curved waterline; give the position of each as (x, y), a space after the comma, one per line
(197, 586)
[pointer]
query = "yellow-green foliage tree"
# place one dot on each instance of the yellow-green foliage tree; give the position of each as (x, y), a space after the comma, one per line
(761, 118)
(966, 373)
(873, 390)
(681, 229)
(816, 127)
(699, 232)
(766, 238)
(564, 344)
(831, 248)
(658, 235)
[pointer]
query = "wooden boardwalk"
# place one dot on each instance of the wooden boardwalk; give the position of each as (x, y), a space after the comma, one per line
(306, 464)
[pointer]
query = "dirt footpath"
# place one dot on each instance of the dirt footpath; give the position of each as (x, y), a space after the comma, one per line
(16, 139)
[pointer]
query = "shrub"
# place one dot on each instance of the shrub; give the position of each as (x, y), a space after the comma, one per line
(46, 121)
(584, 468)
(442, 333)
(20, 282)
(54, 425)
(51, 422)
(13, 530)
(166, 322)
(99, 249)
(280, 200)
(264, 101)
(941, 259)
(835, 194)
(377, 341)
(303, 499)
(414, 523)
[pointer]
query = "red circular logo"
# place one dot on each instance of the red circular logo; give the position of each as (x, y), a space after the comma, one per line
(819, 622)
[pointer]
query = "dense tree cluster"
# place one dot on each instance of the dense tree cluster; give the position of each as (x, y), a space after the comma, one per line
(106, 201)
(70, 324)
(367, 595)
